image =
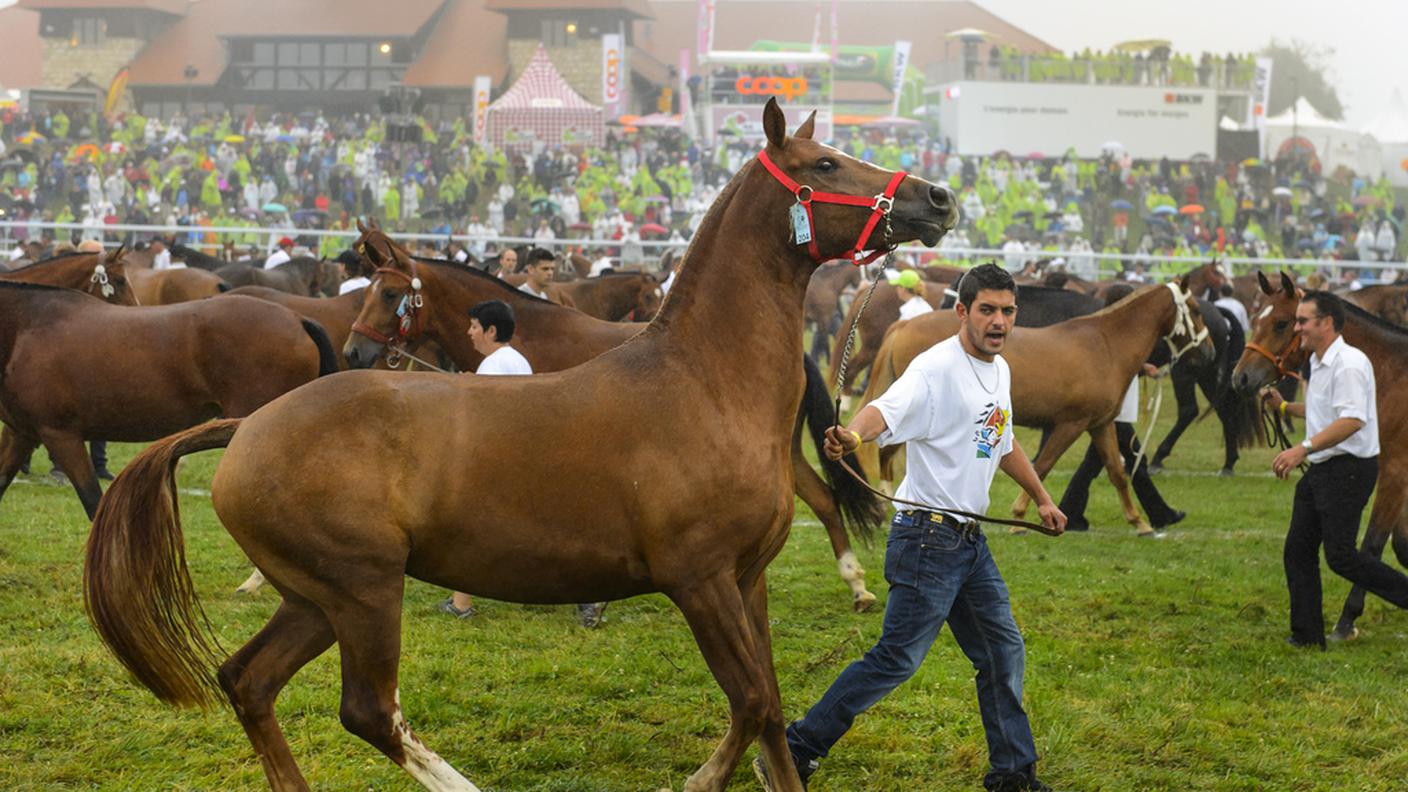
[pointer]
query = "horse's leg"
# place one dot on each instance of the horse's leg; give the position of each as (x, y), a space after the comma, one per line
(367, 621)
(251, 583)
(1384, 521)
(773, 741)
(70, 454)
(814, 492)
(726, 637)
(253, 677)
(14, 452)
(1108, 447)
(1185, 391)
(1059, 439)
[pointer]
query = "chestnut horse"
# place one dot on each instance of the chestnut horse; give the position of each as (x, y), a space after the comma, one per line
(616, 296)
(172, 286)
(668, 457)
(77, 369)
(1386, 301)
(554, 338)
(305, 276)
(1070, 377)
(103, 275)
(1274, 334)
(882, 312)
(822, 308)
(335, 314)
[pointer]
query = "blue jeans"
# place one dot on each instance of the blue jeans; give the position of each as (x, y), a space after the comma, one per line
(935, 575)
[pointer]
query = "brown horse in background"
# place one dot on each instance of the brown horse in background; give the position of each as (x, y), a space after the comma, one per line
(1069, 377)
(335, 314)
(304, 275)
(102, 275)
(617, 296)
(1386, 345)
(1388, 301)
(172, 286)
(77, 369)
(553, 338)
(822, 308)
(882, 312)
(670, 477)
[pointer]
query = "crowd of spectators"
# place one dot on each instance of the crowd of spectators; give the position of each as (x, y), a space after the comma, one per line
(314, 171)
(1156, 66)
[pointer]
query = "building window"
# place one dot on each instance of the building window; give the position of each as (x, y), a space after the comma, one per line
(559, 32)
(88, 32)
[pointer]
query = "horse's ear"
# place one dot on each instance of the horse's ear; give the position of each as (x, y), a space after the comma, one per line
(361, 227)
(807, 128)
(1265, 284)
(116, 255)
(1287, 284)
(775, 124)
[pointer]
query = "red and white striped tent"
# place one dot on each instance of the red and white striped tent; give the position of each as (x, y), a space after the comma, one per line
(542, 107)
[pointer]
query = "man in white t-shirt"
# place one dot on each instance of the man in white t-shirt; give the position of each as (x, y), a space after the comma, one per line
(911, 290)
(491, 326)
(280, 256)
(952, 409)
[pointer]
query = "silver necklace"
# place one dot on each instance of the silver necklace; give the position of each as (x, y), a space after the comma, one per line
(974, 369)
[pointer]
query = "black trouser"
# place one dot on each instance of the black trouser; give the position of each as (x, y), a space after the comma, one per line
(1078, 491)
(1330, 499)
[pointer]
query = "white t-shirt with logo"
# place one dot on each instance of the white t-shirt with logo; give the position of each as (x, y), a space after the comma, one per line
(914, 306)
(527, 288)
(954, 413)
(504, 360)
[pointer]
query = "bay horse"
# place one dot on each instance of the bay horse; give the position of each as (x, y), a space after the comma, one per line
(73, 368)
(1275, 351)
(304, 275)
(616, 296)
(672, 477)
(1069, 377)
(102, 275)
(554, 338)
(172, 286)
(334, 314)
(1388, 301)
(822, 309)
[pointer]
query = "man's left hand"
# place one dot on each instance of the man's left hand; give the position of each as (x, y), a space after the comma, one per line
(1052, 517)
(1289, 460)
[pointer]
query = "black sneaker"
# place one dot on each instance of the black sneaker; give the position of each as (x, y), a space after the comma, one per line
(804, 771)
(103, 474)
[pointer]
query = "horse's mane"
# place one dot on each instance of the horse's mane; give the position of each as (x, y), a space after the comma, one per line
(473, 272)
(65, 255)
(1120, 304)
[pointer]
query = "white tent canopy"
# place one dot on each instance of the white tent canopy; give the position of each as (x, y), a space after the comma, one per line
(1335, 144)
(1390, 128)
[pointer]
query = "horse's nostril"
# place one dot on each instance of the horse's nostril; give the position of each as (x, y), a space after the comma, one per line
(940, 196)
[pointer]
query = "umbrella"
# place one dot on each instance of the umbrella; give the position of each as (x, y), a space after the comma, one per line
(654, 228)
(580, 227)
(1251, 162)
(30, 137)
(538, 204)
(1112, 146)
(249, 214)
(1121, 204)
(1191, 209)
(1165, 210)
(305, 214)
(284, 139)
(1282, 192)
(1036, 155)
(86, 150)
(658, 121)
(275, 208)
(234, 138)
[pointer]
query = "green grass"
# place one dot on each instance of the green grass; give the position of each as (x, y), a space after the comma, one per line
(1152, 665)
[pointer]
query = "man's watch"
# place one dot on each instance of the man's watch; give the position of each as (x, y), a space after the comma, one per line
(1306, 444)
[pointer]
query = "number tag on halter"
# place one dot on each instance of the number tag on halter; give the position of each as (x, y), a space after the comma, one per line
(401, 309)
(801, 224)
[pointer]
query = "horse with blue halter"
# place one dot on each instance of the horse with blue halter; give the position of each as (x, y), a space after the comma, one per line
(669, 456)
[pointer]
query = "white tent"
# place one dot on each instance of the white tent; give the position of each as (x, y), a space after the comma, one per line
(1335, 144)
(1390, 129)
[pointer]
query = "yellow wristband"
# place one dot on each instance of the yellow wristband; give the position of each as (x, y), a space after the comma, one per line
(1283, 409)
(856, 435)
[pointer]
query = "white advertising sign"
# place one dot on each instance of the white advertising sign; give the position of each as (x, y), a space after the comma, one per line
(1023, 118)
(481, 106)
(613, 75)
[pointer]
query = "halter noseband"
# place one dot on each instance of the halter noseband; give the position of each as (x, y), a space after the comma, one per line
(411, 321)
(879, 205)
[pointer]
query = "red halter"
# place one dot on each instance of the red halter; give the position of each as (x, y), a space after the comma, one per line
(409, 326)
(880, 206)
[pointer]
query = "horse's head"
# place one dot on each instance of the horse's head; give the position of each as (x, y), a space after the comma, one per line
(1189, 334)
(1274, 350)
(649, 298)
(391, 303)
(848, 205)
(108, 280)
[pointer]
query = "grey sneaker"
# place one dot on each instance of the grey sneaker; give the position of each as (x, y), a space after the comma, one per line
(804, 771)
(591, 614)
(447, 605)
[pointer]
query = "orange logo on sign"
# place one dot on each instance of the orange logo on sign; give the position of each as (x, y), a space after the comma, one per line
(613, 75)
(785, 87)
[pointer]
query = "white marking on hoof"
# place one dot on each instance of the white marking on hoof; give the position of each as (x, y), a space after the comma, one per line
(863, 602)
(423, 764)
(252, 584)
(854, 575)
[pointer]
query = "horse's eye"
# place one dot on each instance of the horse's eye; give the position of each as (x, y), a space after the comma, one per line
(1282, 325)
(826, 165)
(389, 296)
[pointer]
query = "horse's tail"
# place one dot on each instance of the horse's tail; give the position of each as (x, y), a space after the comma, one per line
(327, 356)
(136, 587)
(861, 512)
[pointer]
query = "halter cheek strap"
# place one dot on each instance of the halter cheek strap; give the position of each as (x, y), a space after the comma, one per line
(410, 322)
(1183, 322)
(880, 206)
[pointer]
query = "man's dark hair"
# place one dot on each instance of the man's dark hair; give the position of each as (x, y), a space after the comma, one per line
(539, 254)
(1327, 304)
(1227, 291)
(984, 276)
(496, 314)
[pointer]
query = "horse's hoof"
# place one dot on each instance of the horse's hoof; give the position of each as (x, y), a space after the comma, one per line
(1226, 472)
(1017, 530)
(1145, 531)
(1156, 468)
(863, 602)
(1341, 635)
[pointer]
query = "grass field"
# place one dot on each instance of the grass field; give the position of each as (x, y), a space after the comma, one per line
(1152, 665)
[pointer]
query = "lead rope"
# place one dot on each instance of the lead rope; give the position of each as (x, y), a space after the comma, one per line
(1156, 401)
(394, 355)
(841, 378)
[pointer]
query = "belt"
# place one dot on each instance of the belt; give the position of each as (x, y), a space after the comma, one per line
(968, 529)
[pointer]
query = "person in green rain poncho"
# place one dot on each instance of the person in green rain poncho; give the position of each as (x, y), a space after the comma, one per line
(391, 202)
(210, 191)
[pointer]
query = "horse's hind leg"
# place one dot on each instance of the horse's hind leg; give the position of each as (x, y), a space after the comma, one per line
(1107, 445)
(14, 452)
(253, 677)
(1384, 521)
(727, 639)
(71, 456)
(813, 491)
(369, 636)
(252, 583)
